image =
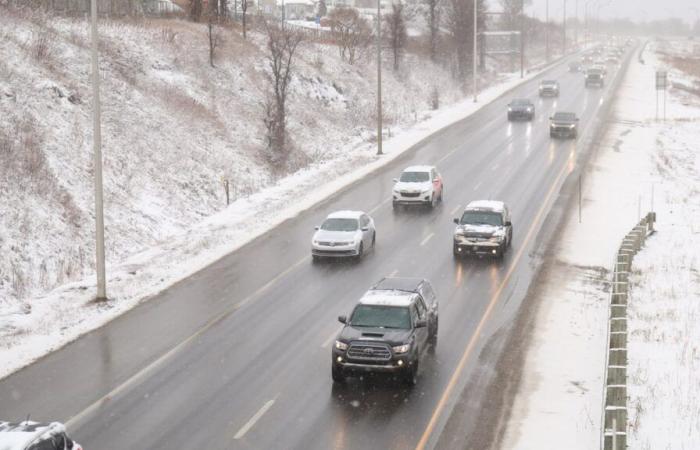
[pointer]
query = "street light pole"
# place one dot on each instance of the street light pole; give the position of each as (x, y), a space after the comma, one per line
(97, 150)
(546, 31)
(379, 79)
(564, 26)
(577, 23)
(522, 38)
(474, 53)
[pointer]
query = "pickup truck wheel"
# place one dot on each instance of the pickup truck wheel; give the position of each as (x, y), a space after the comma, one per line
(433, 336)
(337, 375)
(501, 252)
(411, 374)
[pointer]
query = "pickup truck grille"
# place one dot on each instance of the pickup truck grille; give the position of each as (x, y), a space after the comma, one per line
(369, 351)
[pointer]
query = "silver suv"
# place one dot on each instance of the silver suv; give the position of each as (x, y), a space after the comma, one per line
(485, 228)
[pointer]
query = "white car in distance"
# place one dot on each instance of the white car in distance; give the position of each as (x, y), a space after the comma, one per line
(418, 185)
(344, 234)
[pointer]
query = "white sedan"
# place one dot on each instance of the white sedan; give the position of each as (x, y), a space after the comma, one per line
(344, 234)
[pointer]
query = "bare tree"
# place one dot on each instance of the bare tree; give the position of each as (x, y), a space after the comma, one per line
(460, 23)
(395, 23)
(244, 8)
(195, 10)
(214, 36)
(432, 17)
(512, 10)
(350, 31)
(282, 44)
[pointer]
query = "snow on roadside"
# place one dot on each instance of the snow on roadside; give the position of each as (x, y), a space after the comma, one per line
(561, 395)
(664, 305)
(66, 312)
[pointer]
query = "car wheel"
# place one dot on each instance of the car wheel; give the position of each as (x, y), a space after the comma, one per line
(411, 374)
(501, 252)
(442, 192)
(433, 201)
(374, 239)
(360, 251)
(510, 237)
(337, 374)
(434, 335)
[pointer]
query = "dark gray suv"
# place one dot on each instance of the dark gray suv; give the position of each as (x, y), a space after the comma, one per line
(388, 331)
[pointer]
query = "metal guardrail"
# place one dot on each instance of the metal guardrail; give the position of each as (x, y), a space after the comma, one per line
(614, 430)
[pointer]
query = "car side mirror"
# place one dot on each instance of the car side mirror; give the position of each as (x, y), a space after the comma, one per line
(456, 220)
(421, 323)
(508, 223)
(317, 228)
(365, 228)
(343, 319)
(396, 180)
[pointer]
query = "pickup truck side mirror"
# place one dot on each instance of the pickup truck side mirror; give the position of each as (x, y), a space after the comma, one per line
(421, 323)
(317, 228)
(343, 319)
(508, 223)
(456, 220)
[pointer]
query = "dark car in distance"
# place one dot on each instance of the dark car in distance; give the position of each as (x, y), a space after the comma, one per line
(521, 108)
(563, 125)
(388, 331)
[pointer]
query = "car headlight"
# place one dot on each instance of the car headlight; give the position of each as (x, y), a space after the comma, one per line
(341, 345)
(572, 126)
(399, 349)
(510, 109)
(496, 238)
(315, 242)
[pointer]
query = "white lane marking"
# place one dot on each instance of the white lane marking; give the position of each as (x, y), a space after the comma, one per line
(251, 423)
(376, 208)
(331, 338)
(426, 239)
(478, 185)
(394, 273)
(141, 374)
(454, 211)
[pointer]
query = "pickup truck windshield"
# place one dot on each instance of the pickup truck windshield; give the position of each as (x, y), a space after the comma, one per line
(481, 218)
(377, 316)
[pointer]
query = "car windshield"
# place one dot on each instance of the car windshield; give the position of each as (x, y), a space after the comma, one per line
(377, 316)
(549, 83)
(520, 102)
(564, 117)
(415, 177)
(481, 218)
(340, 225)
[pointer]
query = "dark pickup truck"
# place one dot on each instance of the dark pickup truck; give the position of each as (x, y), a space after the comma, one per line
(564, 125)
(389, 330)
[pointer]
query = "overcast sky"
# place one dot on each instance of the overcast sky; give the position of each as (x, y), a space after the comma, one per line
(637, 10)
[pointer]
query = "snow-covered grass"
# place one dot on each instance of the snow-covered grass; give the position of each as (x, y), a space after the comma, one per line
(172, 128)
(640, 161)
(664, 305)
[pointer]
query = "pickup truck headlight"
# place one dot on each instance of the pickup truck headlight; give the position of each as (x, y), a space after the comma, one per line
(399, 349)
(341, 345)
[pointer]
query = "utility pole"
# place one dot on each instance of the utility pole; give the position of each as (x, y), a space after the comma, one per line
(577, 23)
(522, 39)
(97, 150)
(564, 47)
(546, 31)
(379, 78)
(474, 52)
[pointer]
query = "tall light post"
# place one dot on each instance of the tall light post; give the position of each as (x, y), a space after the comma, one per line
(546, 31)
(97, 155)
(379, 78)
(474, 53)
(577, 23)
(522, 38)
(564, 27)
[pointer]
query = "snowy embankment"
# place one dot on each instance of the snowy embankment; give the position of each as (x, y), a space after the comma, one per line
(173, 127)
(640, 161)
(664, 305)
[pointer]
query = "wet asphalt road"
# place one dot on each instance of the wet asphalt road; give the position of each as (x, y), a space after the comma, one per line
(238, 356)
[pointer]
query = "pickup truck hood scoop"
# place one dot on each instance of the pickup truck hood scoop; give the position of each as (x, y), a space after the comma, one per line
(373, 335)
